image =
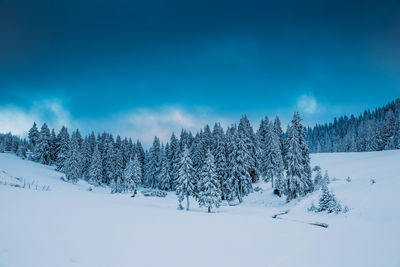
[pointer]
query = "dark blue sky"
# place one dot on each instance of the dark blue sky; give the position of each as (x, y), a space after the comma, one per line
(95, 61)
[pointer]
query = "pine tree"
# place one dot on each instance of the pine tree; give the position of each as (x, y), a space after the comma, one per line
(279, 134)
(62, 149)
(298, 179)
(250, 143)
(132, 175)
(137, 171)
(21, 152)
(318, 180)
(164, 180)
(239, 179)
(263, 143)
(73, 168)
(328, 202)
(33, 136)
(153, 164)
(53, 147)
(109, 161)
(209, 186)
(220, 153)
(274, 166)
(42, 152)
(95, 173)
(325, 180)
(185, 182)
(119, 167)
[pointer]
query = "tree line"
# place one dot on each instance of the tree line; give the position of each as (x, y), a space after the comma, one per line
(210, 166)
(370, 131)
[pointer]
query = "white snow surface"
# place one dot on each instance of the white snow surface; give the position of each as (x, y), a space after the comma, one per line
(71, 226)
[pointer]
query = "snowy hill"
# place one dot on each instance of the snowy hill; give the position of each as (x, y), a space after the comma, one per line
(45, 221)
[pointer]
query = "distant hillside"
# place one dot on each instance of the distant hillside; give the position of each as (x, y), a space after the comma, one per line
(372, 131)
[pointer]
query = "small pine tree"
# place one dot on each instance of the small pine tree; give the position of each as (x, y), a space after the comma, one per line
(328, 202)
(21, 152)
(209, 186)
(325, 180)
(318, 180)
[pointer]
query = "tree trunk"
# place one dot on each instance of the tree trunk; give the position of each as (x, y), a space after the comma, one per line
(239, 193)
(187, 202)
(209, 209)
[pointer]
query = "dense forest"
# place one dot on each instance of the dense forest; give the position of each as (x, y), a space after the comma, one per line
(371, 131)
(214, 164)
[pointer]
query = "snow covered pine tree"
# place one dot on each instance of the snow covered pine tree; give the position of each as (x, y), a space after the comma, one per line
(185, 183)
(209, 186)
(298, 179)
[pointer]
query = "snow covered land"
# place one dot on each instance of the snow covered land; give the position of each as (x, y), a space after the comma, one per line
(45, 221)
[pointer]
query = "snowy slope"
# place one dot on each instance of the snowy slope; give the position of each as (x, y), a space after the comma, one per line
(71, 226)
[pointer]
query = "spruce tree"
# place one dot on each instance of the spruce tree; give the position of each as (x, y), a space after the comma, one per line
(274, 166)
(42, 153)
(73, 168)
(33, 136)
(298, 179)
(185, 182)
(62, 149)
(53, 147)
(220, 153)
(209, 186)
(132, 174)
(239, 179)
(318, 179)
(95, 174)
(250, 144)
(164, 180)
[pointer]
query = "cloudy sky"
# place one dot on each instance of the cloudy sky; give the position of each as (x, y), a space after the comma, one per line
(145, 68)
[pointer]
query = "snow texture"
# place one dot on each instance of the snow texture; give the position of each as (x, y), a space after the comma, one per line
(69, 225)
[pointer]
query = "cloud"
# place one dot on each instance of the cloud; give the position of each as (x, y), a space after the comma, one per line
(141, 123)
(144, 123)
(19, 120)
(307, 104)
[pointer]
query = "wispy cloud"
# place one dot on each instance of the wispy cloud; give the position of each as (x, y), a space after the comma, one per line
(18, 120)
(144, 123)
(307, 104)
(140, 123)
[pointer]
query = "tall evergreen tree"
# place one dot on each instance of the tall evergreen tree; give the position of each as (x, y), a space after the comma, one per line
(164, 180)
(132, 175)
(95, 172)
(33, 136)
(298, 179)
(239, 178)
(220, 153)
(42, 152)
(62, 149)
(73, 167)
(53, 147)
(250, 143)
(186, 180)
(153, 166)
(273, 161)
(209, 186)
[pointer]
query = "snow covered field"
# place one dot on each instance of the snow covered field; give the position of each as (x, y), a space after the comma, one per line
(71, 226)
